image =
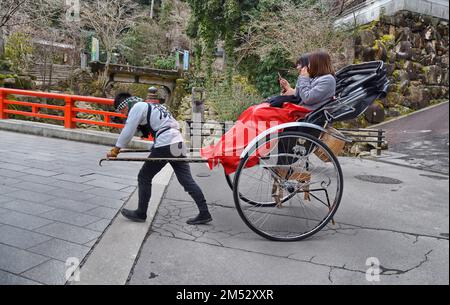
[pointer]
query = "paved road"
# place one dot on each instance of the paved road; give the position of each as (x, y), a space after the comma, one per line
(404, 226)
(55, 202)
(422, 139)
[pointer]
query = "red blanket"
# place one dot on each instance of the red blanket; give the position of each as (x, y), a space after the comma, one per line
(251, 122)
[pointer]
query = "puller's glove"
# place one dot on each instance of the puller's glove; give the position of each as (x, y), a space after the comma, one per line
(114, 152)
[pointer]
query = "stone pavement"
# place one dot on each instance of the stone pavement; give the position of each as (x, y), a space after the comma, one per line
(403, 226)
(55, 203)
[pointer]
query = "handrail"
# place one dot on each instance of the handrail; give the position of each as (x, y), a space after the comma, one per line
(69, 109)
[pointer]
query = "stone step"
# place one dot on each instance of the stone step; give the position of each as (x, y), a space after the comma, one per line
(59, 72)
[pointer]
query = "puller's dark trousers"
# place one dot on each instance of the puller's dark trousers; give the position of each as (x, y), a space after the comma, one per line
(182, 171)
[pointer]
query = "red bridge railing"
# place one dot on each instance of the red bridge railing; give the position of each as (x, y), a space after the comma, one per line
(68, 111)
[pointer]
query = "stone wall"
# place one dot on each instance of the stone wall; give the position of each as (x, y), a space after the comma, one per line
(415, 49)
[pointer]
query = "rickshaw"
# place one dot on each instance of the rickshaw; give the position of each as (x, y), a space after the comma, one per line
(289, 183)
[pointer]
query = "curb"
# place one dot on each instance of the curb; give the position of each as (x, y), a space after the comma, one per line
(399, 162)
(80, 135)
(407, 115)
(114, 256)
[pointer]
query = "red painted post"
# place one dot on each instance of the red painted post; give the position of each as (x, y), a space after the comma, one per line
(3, 106)
(68, 113)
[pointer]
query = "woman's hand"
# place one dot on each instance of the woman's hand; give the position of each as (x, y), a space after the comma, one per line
(304, 71)
(289, 91)
(284, 85)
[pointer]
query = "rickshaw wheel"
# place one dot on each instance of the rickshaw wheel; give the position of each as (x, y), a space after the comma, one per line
(304, 168)
(230, 179)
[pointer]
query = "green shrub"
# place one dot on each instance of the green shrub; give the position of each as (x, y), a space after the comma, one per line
(229, 104)
(264, 72)
(19, 50)
(165, 63)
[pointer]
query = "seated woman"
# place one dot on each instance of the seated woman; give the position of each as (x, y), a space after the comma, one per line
(315, 85)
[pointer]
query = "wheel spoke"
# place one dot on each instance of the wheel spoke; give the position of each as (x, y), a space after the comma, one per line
(308, 189)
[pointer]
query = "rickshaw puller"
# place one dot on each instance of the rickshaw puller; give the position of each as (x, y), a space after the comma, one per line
(155, 119)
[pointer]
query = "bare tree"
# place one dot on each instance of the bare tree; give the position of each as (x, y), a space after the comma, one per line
(44, 14)
(27, 14)
(296, 30)
(109, 19)
(8, 8)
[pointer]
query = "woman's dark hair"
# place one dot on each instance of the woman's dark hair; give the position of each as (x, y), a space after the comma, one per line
(320, 64)
(120, 98)
(303, 61)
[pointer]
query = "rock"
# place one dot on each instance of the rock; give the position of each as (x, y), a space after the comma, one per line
(445, 92)
(416, 54)
(436, 92)
(406, 102)
(408, 66)
(404, 50)
(419, 70)
(442, 28)
(366, 38)
(25, 78)
(426, 19)
(416, 83)
(399, 110)
(429, 33)
(368, 54)
(429, 47)
(390, 20)
(418, 26)
(358, 50)
(355, 149)
(393, 98)
(403, 88)
(419, 97)
(445, 78)
(433, 75)
(390, 69)
(391, 58)
(9, 81)
(428, 59)
(374, 152)
(404, 34)
(392, 30)
(400, 19)
(435, 21)
(375, 113)
(393, 113)
(417, 41)
(400, 75)
(380, 51)
(364, 154)
(439, 47)
(444, 61)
